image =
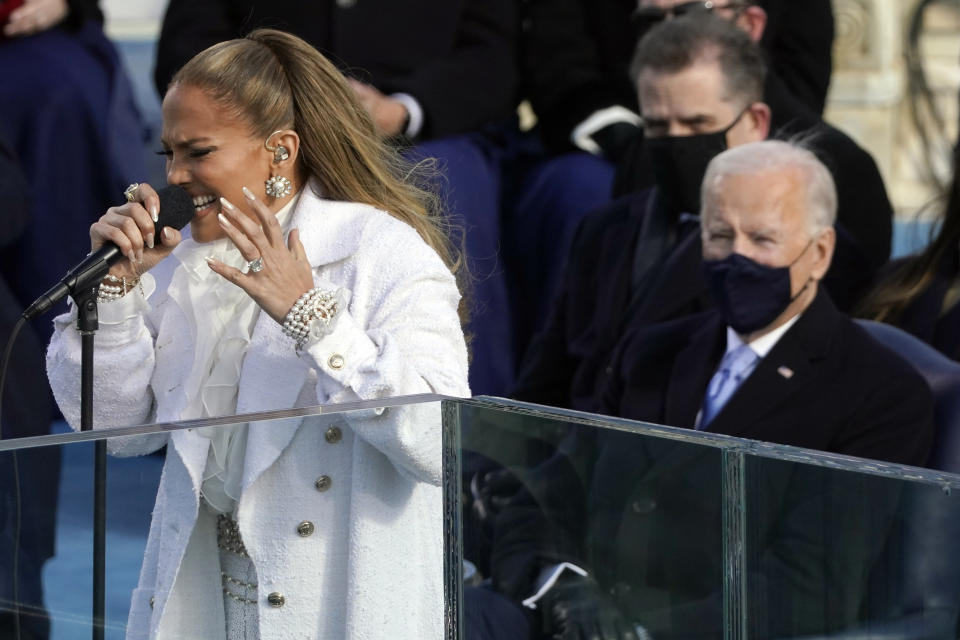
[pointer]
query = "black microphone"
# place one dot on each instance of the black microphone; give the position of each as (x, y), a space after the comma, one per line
(176, 210)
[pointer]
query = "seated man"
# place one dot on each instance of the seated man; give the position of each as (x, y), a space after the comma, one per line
(700, 82)
(640, 517)
(807, 375)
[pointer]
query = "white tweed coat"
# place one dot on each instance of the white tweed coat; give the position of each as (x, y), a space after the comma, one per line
(373, 566)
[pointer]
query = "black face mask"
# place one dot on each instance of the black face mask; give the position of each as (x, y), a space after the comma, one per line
(749, 295)
(680, 162)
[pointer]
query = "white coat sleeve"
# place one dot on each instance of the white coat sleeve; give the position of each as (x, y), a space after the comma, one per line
(123, 365)
(412, 342)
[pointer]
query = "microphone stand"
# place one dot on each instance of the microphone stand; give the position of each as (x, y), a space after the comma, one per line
(87, 324)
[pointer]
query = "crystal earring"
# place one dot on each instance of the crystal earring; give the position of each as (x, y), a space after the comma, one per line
(278, 187)
(280, 152)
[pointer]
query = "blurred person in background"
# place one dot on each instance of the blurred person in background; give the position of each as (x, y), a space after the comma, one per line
(67, 110)
(438, 74)
(919, 293)
(29, 487)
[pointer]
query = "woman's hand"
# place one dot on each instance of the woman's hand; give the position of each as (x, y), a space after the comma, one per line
(131, 228)
(286, 274)
(34, 16)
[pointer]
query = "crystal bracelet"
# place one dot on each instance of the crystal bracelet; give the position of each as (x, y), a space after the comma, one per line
(315, 306)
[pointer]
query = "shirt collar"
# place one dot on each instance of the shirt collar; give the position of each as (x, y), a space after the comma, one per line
(286, 212)
(762, 345)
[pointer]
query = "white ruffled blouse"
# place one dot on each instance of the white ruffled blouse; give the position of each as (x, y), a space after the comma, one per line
(228, 317)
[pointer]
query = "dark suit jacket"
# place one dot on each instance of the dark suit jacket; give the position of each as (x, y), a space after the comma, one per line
(566, 362)
(456, 57)
(644, 515)
(846, 393)
(799, 41)
(576, 55)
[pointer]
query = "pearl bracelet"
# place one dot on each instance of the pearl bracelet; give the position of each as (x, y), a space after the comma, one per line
(117, 288)
(315, 306)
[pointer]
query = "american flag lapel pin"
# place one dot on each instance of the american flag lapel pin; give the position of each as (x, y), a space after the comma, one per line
(786, 372)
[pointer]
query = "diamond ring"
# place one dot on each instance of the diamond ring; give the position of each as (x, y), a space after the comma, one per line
(256, 266)
(130, 193)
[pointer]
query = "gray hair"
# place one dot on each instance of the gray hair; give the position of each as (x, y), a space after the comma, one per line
(774, 155)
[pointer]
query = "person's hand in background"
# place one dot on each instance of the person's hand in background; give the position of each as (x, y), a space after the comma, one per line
(388, 114)
(34, 16)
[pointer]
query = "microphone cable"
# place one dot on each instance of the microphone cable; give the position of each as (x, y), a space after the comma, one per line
(18, 511)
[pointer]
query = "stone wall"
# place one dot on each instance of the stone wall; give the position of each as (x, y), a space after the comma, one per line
(870, 94)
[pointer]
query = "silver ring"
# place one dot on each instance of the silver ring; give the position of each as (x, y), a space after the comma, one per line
(130, 193)
(256, 266)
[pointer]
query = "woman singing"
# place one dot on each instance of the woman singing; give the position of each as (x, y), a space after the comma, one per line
(316, 273)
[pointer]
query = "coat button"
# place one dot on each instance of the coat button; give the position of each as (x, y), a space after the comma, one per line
(643, 506)
(333, 435)
(336, 361)
(276, 599)
(151, 602)
(323, 483)
(305, 529)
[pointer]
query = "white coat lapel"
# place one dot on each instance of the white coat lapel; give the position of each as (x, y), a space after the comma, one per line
(271, 378)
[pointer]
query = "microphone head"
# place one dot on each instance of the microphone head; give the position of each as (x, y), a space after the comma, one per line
(176, 208)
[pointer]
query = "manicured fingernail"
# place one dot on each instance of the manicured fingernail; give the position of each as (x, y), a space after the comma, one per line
(226, 203)
(131, 256)
(209, 259)
(140, 255)
(249, 194)
(167, 233)
(155, 213)
(150, 241)
(223, 220)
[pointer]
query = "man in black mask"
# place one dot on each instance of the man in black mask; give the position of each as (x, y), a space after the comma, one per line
(637, 517)
(700, 86)
(774, 360)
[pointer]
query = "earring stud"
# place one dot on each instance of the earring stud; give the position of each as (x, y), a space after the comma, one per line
(278, 187)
